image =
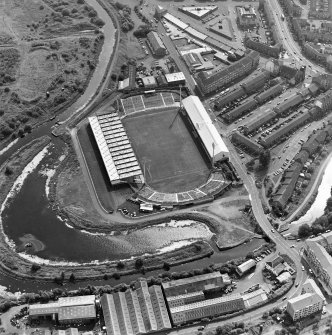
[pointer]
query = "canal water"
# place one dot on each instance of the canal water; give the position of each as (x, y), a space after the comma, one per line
(324, 192)
(28, 217)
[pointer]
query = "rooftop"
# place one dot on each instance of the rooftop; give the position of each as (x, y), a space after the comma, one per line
(190, 280)
(208, 133)
(204, 303)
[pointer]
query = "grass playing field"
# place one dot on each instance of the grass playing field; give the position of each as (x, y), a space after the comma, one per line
(167, 151)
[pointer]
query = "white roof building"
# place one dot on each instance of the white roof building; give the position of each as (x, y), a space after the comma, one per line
(304, 305)
(254, 298)
(284, 277)
(246, 266)
(211, 139)
(310, 286)
(114, 146)
(175, 77)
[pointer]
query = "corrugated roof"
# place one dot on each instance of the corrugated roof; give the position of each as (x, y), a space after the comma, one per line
(209, 302)
(208, 133)
(196, 33)
(111, 139)
(77, 312)
(179, 23)
(246, 265)
(190, 280)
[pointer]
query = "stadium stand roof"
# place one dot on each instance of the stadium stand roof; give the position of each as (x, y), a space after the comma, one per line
(179, 23)
(208, 133)
(196, 33)
(114, 146)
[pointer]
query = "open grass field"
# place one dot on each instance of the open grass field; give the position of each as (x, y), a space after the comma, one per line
(167, 151)
(46, 46)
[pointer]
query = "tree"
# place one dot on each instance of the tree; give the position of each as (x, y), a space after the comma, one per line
(72, 278)
(35, 267)
(166, 266)
(264, 158)
(138, 263)
(120, 265)
(304, 231)
(8, 170)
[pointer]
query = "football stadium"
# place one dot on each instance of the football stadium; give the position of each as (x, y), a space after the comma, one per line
(163, 147)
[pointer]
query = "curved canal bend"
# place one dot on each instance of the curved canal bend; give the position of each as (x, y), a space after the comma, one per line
(29, 212)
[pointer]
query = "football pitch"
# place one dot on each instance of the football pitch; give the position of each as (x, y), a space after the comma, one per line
(169, 156)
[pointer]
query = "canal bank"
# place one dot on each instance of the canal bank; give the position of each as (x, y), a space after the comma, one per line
(323, 190)
(29, 209)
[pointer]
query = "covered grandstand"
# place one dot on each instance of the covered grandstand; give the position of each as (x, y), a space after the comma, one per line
(211, 139)
(116, 151)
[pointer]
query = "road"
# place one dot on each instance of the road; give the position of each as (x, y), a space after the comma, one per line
(293, 49)
(176, 56)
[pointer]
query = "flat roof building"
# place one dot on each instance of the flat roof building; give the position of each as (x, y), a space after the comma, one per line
(304, 305)
(176, 78)
(200, 119)
(66, 310)
(149, 82)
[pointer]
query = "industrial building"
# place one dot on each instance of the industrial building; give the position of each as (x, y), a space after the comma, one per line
(176, 78)
(156, 44)
(256, 297)
(207, 308)
(66, 310)
(207, 132)
(198, 12)
(210, 81)
(245, 267)
(69, 331)
(192, 284)
(185, 299)
(309, 302)
(114, 146)
(135, 312)
(248, 144)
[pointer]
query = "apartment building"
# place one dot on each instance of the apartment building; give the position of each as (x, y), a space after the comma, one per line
(320, 261)
(309, 302)
(210, 81)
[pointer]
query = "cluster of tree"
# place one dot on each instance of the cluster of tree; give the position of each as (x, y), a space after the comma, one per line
(142, 31)
(231, 328)
(320, 225)
(264, 158)
(126, 22)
